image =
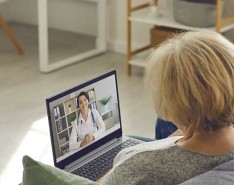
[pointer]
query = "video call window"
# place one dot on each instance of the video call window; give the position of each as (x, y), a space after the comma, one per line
(69, 126)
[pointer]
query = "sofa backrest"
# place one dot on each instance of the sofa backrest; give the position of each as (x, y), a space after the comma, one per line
(222, 174)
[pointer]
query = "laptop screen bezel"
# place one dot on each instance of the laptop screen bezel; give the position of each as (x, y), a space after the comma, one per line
(116, 134)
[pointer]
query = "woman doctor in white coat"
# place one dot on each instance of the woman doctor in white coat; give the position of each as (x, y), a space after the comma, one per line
(88, 126)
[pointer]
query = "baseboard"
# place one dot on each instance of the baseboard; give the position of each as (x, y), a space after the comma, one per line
(120, 46)
(117, 46)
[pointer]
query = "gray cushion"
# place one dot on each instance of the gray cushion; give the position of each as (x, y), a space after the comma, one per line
(223, 174)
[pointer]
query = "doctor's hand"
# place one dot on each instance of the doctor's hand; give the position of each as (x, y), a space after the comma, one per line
(87, 139)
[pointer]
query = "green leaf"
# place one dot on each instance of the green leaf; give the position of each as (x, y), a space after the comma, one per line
(105, 100)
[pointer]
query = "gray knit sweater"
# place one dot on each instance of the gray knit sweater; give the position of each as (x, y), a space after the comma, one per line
(160, 162)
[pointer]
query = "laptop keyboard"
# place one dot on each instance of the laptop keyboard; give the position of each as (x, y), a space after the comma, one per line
(96, 168)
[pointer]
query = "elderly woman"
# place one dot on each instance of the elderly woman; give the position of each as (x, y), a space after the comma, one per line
(192, 82)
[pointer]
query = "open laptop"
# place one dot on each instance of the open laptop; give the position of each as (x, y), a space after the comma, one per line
(96, 158)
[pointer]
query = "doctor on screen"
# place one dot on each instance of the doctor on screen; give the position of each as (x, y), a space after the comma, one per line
(88, 126)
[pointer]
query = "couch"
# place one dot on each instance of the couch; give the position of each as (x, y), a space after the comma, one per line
(37, 173)
(222, 174)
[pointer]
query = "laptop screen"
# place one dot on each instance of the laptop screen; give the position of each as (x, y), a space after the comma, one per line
(83, 118)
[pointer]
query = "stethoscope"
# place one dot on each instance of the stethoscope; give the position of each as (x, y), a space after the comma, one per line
(94, 123)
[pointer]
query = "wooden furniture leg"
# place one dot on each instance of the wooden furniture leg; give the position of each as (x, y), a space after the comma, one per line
(10, 35)
(129, 37)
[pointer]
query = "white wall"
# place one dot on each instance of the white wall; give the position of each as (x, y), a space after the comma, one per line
(5, 10)
(117, 26)
(80, 16)
(71, 15)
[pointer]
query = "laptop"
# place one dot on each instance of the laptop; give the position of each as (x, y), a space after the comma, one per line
(95, 158)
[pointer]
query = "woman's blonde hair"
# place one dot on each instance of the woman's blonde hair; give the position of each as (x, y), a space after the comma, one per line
(192, 80)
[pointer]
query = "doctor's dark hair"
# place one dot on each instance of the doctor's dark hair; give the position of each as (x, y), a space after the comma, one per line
(82, 94)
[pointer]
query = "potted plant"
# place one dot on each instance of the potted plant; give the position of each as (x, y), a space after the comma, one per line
(104, 102)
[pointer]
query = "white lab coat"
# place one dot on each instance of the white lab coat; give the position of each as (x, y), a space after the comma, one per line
(80, 128)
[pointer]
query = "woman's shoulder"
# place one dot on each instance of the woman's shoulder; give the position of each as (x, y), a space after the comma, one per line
(153, 162)
(148, 147)
(157, 144)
